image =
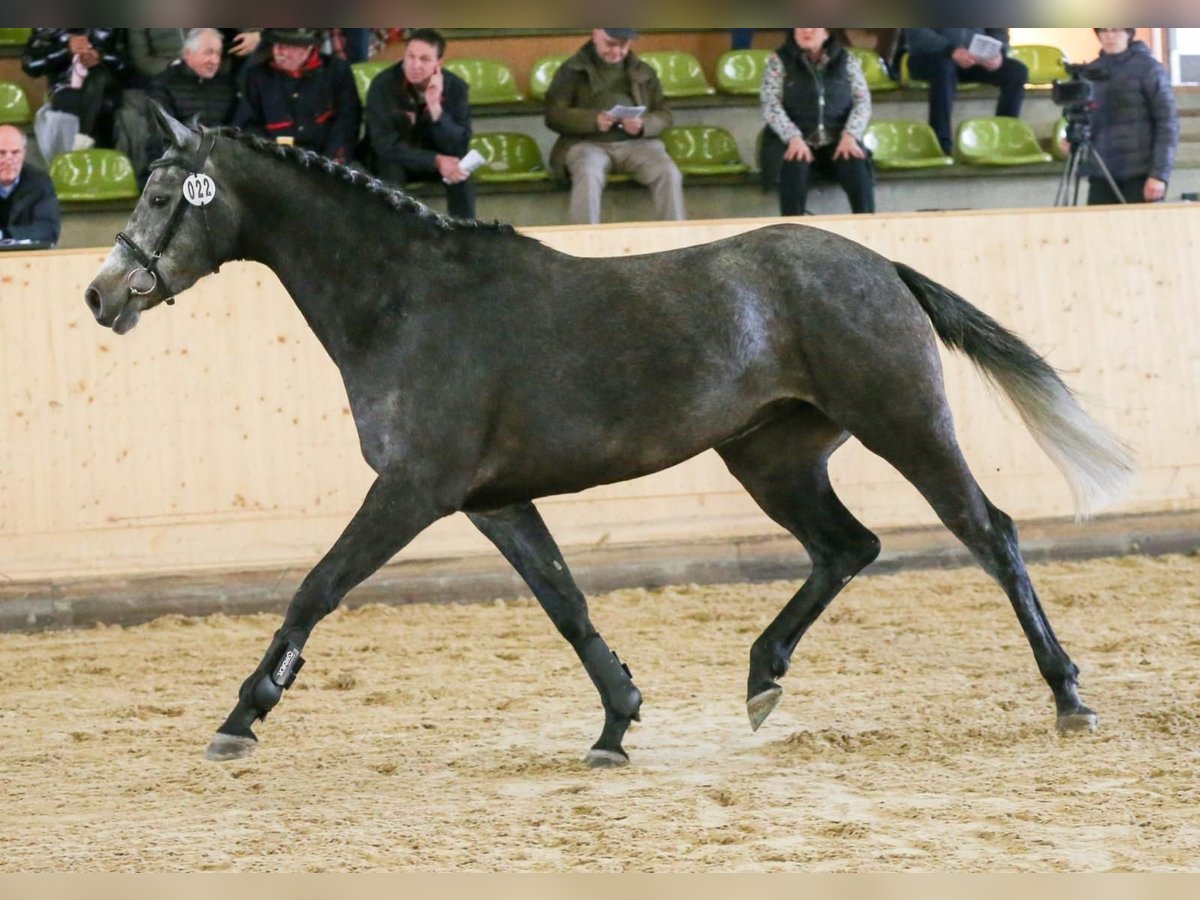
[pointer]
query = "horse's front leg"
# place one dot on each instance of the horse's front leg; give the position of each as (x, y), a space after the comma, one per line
(394, 512)
(521, 535)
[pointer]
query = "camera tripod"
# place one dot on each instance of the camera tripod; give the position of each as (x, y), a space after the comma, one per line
(1082, 150)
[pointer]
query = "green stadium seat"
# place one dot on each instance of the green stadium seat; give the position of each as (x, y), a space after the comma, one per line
(15, 37)
(904, 144)
(703, 150)
(1045, 63)
(997, 141)
(14, 105)
(679, 72)
(87, 175)
(491, 80)
(907, 81)
(1056, 140)
(511, 157)
(741, 71)
(364, 74)
(878, 79)
(542, 74)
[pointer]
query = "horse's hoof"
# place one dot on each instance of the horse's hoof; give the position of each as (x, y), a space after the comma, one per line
(1081, 720)
(224, 747)
(762, 705)
(605, 759)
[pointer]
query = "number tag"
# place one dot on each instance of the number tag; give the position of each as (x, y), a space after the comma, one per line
(199, 190)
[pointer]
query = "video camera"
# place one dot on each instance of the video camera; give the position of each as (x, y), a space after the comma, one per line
(1077, 93)
(1076, 98)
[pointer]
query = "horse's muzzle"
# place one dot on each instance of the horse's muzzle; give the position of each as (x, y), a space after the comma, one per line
(118, 310)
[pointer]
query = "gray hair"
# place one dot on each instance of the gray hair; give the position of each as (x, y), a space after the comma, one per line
(192, 39)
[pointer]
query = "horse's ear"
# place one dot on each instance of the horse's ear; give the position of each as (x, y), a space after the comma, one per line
(175, 131)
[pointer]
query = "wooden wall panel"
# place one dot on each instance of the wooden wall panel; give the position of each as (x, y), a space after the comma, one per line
(217, 435)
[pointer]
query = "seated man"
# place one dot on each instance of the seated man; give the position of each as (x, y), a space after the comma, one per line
(82, 67)
(28, 204)
(419, 122)
(302, 95)
(194, 84)
(602, 75)
(941, 57)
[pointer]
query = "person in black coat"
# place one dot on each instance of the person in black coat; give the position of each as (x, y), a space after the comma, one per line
(195, 85)
(302, 95)
(83, 69)
(28, 204)
(419, 122)
(1135, 126)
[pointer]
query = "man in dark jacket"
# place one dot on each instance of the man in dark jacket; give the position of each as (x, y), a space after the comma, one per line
(303, 96)
(942, 56)
(1135, 127)
(194, 85)
(82, 67)
(603, 75)
(28, 204)
(419, 122)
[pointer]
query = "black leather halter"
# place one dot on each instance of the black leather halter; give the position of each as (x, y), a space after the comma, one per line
(193, 164)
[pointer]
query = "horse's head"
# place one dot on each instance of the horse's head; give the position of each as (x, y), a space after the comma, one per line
(180, 231)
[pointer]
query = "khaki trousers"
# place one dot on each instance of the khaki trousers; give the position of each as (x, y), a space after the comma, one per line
(645, 159)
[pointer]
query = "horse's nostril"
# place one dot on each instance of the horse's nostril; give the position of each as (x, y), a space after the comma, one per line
(92, 296)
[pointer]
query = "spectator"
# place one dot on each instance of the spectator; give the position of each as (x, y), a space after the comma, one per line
(419, 122)
(243, 47)
(83, 69)
(941, 57)
(194, 84)
(302, 95)
(28, 204)
(1135, 126)
(605, 73)
(817, 106)
(149, 51)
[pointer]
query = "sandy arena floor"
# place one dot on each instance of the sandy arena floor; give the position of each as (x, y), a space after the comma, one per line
(914, 733)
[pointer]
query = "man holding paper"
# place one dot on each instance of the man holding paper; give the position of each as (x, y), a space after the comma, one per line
(419, 123)
(946, 56)
(608, 108)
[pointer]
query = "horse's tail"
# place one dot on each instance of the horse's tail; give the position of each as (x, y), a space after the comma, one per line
(1096, 463)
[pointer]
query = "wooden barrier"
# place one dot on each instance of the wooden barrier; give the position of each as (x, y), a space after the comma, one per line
(217, 434)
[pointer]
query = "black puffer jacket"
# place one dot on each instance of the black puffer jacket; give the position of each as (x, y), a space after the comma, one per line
(1135, 127)
(184, 94)
(48, 53)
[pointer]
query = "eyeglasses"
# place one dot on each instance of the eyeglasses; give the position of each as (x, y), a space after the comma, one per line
(1109, 30)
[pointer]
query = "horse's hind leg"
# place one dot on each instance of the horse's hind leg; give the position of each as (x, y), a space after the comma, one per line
(391, 515)
(521, 535)
(783, 465)
(923, 448)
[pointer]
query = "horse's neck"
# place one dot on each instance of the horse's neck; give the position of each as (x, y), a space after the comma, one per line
(308, 237)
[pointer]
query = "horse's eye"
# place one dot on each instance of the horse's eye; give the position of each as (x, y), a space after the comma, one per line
(158, 200)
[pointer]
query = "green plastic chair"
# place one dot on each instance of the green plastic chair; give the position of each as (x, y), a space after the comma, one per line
(1045, 63)
(997, 141)
(88, 175)
(907, 81)
(364, 74)
(679, 72)
(14, 105)
(703, 150)
(491, 80)
(15, 37)
(511, 157)
(878, 79)
(904, 144)
(1056, 140)
(741, 71)
(542, 74)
